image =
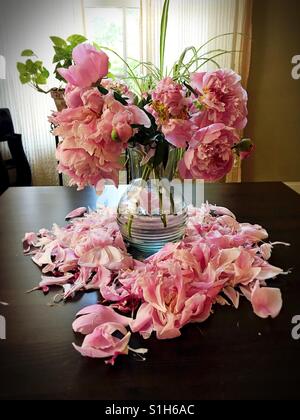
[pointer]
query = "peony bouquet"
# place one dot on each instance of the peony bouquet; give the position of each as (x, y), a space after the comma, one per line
(201, 114)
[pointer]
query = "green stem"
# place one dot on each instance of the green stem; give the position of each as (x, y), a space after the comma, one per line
(130, 71)
(163, 34)
(146, 172)
(162, 215)
(129, 225)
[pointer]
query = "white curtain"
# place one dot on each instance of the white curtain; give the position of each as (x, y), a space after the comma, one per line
(28, 24)
(193, 23)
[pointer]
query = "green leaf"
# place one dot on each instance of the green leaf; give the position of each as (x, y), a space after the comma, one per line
(30, 67)
(189, 87)
(56, 59)
(120, 99)
(25, 78)
(61, 53)
(162, 153)
(76, 39)
(39, 64)
(163, 34)
(111, 76)
(245, 145)
(58, 42)
(21, 67)
(97, 46)
(102, 90)
(27, 53)
(45, 73)
(41, 80)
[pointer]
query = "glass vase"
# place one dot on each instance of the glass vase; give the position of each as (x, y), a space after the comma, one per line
(152, 211)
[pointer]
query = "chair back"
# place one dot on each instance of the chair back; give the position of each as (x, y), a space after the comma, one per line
(6, 124)
(19, 160)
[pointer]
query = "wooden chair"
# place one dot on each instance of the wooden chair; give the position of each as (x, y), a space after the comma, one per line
(18, 161)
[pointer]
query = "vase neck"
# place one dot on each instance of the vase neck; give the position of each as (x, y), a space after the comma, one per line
(143, 162)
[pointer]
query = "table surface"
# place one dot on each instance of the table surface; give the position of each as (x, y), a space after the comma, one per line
(234, 355)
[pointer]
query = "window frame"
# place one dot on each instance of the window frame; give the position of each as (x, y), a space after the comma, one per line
(110, 4)
(134, 4)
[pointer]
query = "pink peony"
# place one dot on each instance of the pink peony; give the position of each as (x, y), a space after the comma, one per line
(93, 100)
(221, 99)
(121, 88)
(93, 138)
(168, 101)
(210, 155)
(169, 107)
(90, 66)
(73, 96)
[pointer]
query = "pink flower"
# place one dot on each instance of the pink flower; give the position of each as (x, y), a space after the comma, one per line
(121, 88)
(210, 155)
(93, 100)
(168, 100)
(221, 99)
(122, 118)
(101, 343)
(178, 132)
(84, 169)
(94, 136)
(73, 96)
(90, 66)
(169, 107)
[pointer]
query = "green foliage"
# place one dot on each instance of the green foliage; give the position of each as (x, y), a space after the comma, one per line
(76, 39)
(34, 72)
(59, 42)
(63, 51)
(27, 53)
(163, 33)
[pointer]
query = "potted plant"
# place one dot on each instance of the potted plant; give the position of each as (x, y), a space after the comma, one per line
(34, 73)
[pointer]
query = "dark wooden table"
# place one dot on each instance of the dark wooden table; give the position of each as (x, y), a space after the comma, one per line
(234, 355)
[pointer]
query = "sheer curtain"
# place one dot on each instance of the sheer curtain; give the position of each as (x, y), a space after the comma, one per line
(28, 24)
(193, 23)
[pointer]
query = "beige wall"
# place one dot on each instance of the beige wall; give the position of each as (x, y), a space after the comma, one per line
(274, 96)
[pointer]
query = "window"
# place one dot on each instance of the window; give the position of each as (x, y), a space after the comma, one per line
(115, 24)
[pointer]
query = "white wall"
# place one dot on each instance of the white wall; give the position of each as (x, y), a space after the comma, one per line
(28, 24)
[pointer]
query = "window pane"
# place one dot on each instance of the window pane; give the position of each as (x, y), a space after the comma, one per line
(133, 33)
(105, 27)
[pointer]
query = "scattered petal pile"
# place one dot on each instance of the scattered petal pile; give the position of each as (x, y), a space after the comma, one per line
(219, 260)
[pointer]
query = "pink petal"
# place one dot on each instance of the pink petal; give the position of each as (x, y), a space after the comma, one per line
(266, 302)
(95, 315)
(143, 323)
(76, 213)
(140, 117)
(233, 295)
